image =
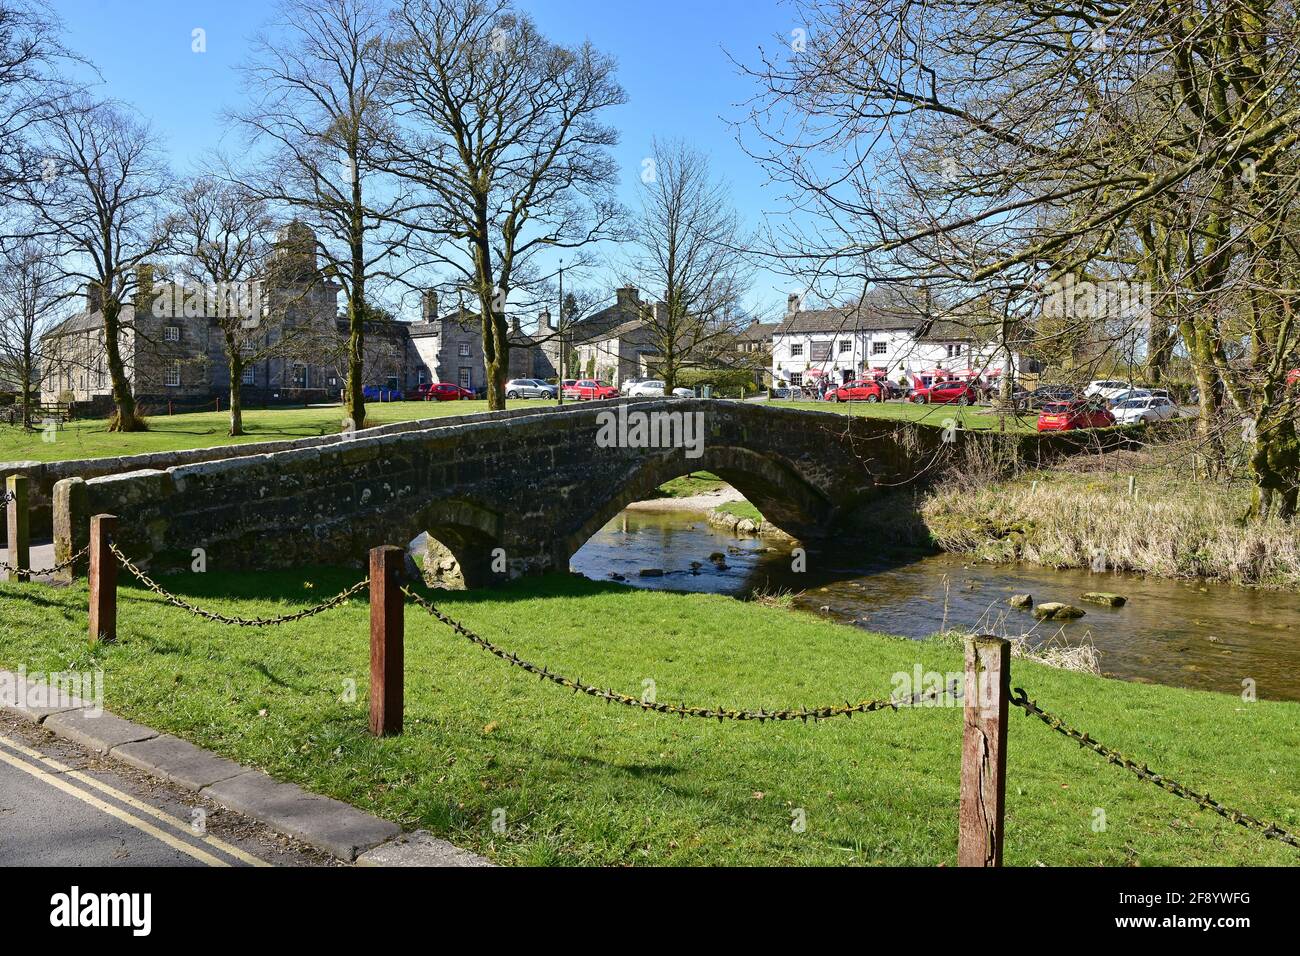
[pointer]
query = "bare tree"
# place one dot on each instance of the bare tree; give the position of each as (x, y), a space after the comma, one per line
(30, 289)
(688, 255)
(105, 206)
(30, 48)
(320, 105)
(224, 236)
(1013, 147)
(502, 139)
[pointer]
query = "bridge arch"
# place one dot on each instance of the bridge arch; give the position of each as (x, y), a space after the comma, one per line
(769, 482)
(462, 536)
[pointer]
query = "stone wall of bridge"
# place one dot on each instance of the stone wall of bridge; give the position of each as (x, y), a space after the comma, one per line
(515, 493)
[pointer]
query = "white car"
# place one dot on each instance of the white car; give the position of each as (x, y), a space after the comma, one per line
(1131, 393)
(683, 392)
(650, 387)
(1146, 409)
(1106, 388)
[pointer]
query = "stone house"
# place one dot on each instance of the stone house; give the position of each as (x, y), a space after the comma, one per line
(614, 344)
(882, 334)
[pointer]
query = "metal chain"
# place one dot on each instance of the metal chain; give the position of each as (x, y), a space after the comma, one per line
(172, 599)
(847, 709)
(1271, 831)
(6, 497)
(36, 572)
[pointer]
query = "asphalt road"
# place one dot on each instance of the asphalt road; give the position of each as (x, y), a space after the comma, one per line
(63, 806)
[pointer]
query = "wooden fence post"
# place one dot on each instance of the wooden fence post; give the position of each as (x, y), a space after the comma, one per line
(386, 633)
(103, 579)
(984, 752)
(16, 526)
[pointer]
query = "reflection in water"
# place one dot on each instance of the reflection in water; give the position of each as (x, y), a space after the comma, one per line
(1185, 633)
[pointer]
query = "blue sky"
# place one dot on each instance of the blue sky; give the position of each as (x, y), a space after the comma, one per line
(679, 80)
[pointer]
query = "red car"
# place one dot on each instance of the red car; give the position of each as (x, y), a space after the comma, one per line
(447, 392)
(943, 392)
(588, 389)
(1067, 416)
(863, 390)
(420, 393)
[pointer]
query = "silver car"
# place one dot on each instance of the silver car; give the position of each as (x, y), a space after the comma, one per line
(529, 388)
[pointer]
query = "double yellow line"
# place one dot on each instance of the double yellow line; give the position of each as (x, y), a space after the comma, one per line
(56, 774)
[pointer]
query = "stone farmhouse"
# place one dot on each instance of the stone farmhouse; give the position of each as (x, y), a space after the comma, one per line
(877, 336)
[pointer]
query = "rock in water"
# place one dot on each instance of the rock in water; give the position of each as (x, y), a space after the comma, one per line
(1021, 600)
(1055, 611)
(1106, 598)
(651, 572)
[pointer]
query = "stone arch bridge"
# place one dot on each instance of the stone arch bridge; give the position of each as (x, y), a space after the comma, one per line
(534, 482)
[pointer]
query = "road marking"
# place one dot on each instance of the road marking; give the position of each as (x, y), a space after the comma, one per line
(126, 798)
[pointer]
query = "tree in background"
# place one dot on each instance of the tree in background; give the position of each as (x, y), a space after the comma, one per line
(688, 242)
(30, 288)
(502, 139)
(319, 104)
(105, 205)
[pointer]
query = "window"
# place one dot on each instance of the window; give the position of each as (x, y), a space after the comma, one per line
(464, 373)
(172, 375)
(423, 376)
(796, 378)
(955, 350)
(300, 376)
(462, 349)
(846, 345)
(172, 333)
(250, 376)
(879, 348)
(796, 350)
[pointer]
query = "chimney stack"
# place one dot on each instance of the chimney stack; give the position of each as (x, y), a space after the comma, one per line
(792, 303)
(429, 306)
(544, 322)
(628, 295)
(94, 293)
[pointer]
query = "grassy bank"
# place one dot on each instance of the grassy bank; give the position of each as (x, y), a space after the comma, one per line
(581, 781)
(92, 439)
(1081, 511)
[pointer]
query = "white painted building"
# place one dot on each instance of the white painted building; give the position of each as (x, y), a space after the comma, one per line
(847, 343)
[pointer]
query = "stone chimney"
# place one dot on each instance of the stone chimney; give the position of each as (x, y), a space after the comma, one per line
(94, 294)
(793, 303)
(514, 325)
(628, 295)
(429, 306)
(544, 322)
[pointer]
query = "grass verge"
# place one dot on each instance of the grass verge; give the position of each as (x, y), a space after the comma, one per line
(582, 782)
(92, 439)
(972, 416)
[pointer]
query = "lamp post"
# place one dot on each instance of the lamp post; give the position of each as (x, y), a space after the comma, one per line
(559, 382)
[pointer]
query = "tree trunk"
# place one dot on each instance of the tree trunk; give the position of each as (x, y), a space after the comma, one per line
(357, 307)
(1274, 464)
(496, 359)
(125, 419)
(236, 390)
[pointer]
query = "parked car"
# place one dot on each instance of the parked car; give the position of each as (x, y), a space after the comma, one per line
(1051, 395)
(529, 388)
(381, 393)
(1105, 388)
(420, 393)
(1128, 394)
(1151, 408)
(590, 389)
(944, 392)
(1067, 416)
(646, 388)
(683, 393)
(862, 390)
(448, 392)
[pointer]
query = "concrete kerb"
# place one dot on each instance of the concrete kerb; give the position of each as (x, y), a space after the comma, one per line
(322, 822)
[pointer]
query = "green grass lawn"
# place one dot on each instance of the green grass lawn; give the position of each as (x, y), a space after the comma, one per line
(972, 416)
(91, 438)
(584, 782)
